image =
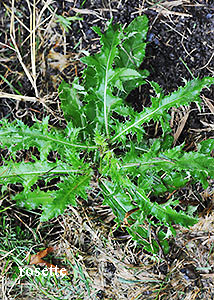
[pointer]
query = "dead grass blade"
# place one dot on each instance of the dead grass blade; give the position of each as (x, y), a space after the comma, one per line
(18, 97)
(209, 104)
(181, 125)
(165, 8)
(13, 38)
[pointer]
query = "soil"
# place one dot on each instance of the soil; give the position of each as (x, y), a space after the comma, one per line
(180, 47)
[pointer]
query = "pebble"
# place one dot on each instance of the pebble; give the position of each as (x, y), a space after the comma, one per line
(209, 16)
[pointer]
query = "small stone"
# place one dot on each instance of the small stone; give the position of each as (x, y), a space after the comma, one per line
(209, 16)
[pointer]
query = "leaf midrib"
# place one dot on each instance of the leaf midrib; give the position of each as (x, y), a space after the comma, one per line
(105, 88)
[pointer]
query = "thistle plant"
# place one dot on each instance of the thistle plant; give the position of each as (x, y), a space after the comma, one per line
(105, 139)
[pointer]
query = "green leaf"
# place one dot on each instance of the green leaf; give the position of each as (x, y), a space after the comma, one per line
(117, 199)
(207, 146)
(174, 166)
(142, 234)
(29, 173)
(33, 200)
(163, 212)
(69, 189)
(102, 62)
(17, 136)
(71, 104)
(53, 203)
(66, 22)
(158, 90)
(132, 50)
(107, 80)
(183, 96)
